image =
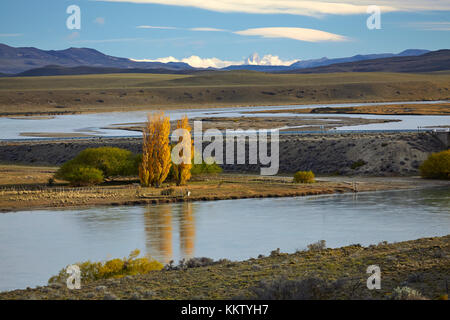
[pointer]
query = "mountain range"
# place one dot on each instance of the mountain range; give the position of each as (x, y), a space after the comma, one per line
(323, 61)
(29, 61)
(16, 60)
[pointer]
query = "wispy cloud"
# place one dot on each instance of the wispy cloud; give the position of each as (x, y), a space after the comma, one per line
(107, 40)
(11, 34)
(301, 34)
(99, 20)
(208, 29)
(300, 7)
(430, 26)
(157, 27)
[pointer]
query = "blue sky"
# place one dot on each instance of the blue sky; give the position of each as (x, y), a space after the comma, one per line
(227, 30)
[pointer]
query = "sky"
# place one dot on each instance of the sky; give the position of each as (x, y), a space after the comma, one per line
(218, 33)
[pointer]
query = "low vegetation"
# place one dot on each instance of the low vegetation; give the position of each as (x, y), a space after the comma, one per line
(339, 273)
(115, 268)
(210, 167)
(317, 246)
(357, 164)
(154, 166)
(302, 289)
(94, 165)
(304, 177)
(437, 166)
(406, 293)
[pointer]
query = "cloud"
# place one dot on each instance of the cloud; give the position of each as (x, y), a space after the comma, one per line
(431, 26)
(99, 20)
(300, 7)
(156, 27)
(108, 40)
(301, 34)
(11, 34)
(267, 60)
(74, 35)
(198, 62)
(208, 29)
(195, 61)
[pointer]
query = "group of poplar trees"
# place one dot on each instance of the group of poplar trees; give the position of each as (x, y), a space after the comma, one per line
(157, 163)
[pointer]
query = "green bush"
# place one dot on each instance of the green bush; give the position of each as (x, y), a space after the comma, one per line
(437, 166)
(79, 175)
(110, 161)
(357, 164)
(304, 177)
(208, 167)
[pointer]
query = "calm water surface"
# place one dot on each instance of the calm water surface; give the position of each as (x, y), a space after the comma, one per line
(35, 245)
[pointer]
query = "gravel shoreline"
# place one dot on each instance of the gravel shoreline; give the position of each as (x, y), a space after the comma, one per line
(375, 154)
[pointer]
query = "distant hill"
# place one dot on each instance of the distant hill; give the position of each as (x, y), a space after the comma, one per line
(325, 61)
(429, 62)
(83, 70)
(16, 60)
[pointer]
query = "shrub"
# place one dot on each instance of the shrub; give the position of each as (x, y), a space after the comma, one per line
(109, 161)
(206, 168)
(317, 246)
(406, 293)
(79, 175)
(437, 166)
(115, 268)
(193, 263)
(168, 192)
(357, 164)
(304, 177)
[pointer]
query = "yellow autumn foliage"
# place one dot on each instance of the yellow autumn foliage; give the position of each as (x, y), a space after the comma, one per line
(156, 156)
(182, 171)
(115, 268)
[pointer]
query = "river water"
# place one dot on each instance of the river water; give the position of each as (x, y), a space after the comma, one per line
(37, 244)
(95, 124)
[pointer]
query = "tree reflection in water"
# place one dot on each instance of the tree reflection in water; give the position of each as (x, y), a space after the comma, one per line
(159, 221)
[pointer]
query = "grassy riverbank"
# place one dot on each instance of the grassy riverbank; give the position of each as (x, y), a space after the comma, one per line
(25, 187)
(319, 274)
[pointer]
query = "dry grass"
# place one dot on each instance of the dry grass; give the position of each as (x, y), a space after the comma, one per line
(16, 175)
(104, 93)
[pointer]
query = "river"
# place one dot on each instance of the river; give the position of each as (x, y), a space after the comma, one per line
(37, 244)
(95, 123)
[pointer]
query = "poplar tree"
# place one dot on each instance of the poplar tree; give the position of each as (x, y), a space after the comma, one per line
(156, 156)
